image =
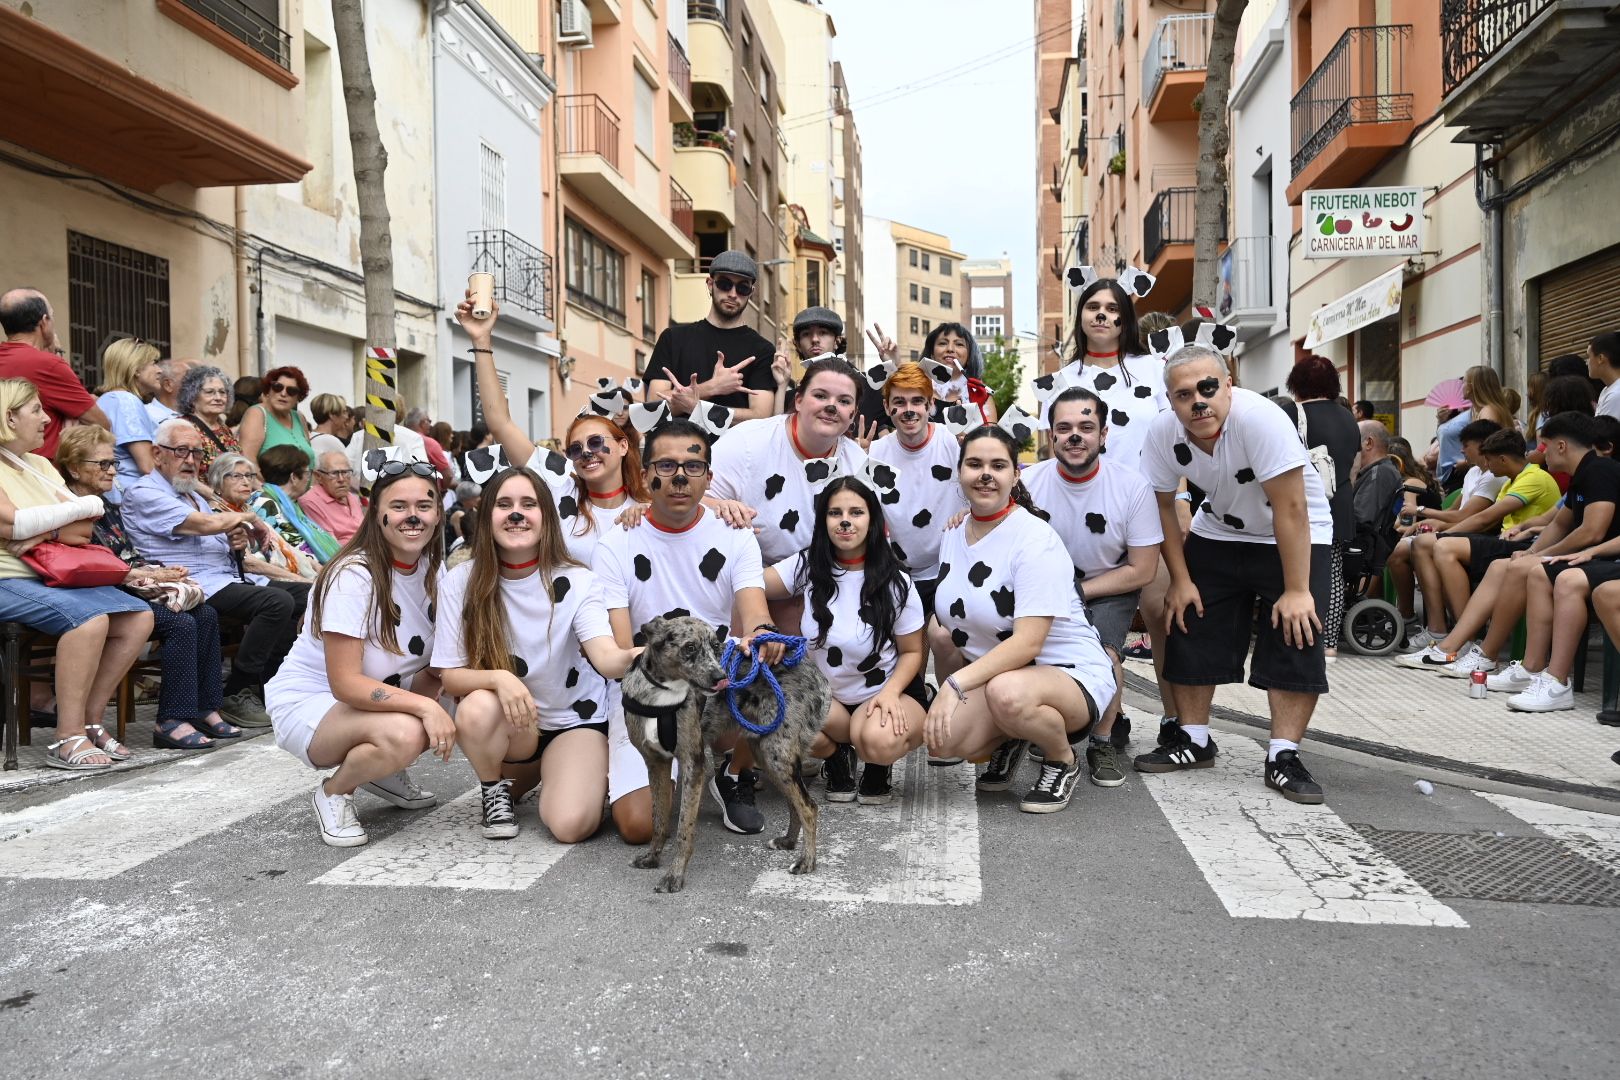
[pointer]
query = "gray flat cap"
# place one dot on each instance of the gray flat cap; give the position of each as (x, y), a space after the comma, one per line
(734, 263)
(818, 316)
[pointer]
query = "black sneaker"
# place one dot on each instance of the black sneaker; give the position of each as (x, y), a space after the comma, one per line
(1103, 761)
(1121, 735)
(840, 773)
(998, 775)
(1287, 774)
(1176, 751)
(736, 798)
(1168, 725)
(1609, 717)
(500, 823)
(944, 762)
(1053, 789)
(875, 789)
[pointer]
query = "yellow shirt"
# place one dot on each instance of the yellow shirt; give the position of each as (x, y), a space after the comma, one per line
(24, 489)
(1536, 492)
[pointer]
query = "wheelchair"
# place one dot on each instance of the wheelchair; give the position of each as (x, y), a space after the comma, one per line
(1372, 626)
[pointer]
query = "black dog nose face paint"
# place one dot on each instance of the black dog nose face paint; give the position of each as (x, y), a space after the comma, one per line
(985, 478)
(1074, 439)
(910, 417)
(515, 518)
(679, 480)
(413, 522)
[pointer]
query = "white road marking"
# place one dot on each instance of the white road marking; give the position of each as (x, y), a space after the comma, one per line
(1268, 858)
(922, 848)
(1585, 832)
(98, 834)
(446, 850)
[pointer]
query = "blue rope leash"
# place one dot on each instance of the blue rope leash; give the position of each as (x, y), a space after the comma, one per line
(731, 660)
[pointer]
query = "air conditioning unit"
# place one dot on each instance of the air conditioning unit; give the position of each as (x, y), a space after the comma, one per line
(574, 24)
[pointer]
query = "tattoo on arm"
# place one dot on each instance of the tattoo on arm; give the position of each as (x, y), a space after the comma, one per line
(379, 694)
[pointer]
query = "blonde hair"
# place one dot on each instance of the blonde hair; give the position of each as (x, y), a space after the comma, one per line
(76, 446)
(121, 360)
(325, 406)
(14, 394)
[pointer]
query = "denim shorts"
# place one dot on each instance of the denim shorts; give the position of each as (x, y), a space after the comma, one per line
(55, 611)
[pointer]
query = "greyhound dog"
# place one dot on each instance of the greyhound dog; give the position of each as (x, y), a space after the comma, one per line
(674, 708)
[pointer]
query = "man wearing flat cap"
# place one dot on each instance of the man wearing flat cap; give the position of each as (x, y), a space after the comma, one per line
(718, 359)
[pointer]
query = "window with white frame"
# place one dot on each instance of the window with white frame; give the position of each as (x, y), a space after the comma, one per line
(646, 117)
(986, 326)
(491, 187)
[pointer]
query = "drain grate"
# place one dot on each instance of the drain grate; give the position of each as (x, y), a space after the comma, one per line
(1481, 866)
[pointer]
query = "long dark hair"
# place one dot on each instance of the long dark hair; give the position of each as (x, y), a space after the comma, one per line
(368, 550)
(1020, 493)
(885, 588)
(973, 366)
(1130, 338)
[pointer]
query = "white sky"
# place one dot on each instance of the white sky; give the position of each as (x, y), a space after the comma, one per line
(958, 155)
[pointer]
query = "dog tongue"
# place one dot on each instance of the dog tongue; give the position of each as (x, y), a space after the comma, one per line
(721, 685)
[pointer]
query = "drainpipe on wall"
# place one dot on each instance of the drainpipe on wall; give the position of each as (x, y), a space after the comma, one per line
(244, 339)
(1490, 189)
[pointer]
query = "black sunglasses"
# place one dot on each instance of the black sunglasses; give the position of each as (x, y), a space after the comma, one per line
(596, 446)
(391, 469)
(741, 288)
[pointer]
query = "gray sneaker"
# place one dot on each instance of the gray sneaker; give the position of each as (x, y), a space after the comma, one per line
(244, 709)
(1103, 761)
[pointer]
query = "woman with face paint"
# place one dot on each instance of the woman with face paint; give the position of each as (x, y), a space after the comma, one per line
(1111, 359)
(526, 648)
(866, 637)
(956, 352)
(356, 691)
(1019, 661)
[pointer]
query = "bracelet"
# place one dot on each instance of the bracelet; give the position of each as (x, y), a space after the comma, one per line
(766, 626)
(486, 352)
(950, 681)
(1184, 496)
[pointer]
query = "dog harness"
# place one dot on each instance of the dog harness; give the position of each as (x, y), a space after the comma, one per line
(664, 714)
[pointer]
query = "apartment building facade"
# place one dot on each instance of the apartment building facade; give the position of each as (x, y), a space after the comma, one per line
(987, 300)
(1067, 190)
(1057, 22)
(928, 285)
(848, 222)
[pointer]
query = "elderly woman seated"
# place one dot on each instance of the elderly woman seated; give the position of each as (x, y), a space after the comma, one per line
(234, 479)
(285, 470)
(192, 688)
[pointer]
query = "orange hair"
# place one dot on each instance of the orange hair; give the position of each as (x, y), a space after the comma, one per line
(910, 376)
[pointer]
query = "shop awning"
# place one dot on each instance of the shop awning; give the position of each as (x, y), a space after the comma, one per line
(1378, 299)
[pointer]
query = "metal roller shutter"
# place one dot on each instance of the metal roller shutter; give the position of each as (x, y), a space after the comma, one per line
(1576, 304)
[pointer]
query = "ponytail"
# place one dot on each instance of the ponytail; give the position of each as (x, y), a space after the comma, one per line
(1021, 496)
(1020, 493)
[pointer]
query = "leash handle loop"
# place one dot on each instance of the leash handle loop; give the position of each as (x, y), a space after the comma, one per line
(731, 661)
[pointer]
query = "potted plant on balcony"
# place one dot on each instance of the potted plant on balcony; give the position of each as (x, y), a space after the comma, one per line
(1116, 164)
(685, 134)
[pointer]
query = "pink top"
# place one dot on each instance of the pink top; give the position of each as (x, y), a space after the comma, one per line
(341, 519)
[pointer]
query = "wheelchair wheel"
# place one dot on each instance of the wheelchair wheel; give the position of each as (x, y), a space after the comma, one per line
(1373, 627)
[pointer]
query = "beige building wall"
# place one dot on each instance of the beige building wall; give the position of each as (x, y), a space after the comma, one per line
(936, 278)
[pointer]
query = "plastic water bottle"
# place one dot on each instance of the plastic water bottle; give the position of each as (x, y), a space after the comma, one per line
(1476, 686)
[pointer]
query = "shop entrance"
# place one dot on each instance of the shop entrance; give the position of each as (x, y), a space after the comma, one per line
(1378, 355)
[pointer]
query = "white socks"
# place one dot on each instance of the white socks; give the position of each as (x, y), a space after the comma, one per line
(1278, 746)
(1198, 733)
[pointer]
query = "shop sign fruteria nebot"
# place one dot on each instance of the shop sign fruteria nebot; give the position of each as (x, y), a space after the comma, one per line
(1347, 223)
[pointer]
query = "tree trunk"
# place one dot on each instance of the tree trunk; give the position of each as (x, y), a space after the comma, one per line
(1214, 143)
(376, 239)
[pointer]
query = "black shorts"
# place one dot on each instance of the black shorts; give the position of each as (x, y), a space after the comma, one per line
(1597, 571)
(925, 593)
(916, 690)
(546, 738)
(1238, 582)
(1484, 550)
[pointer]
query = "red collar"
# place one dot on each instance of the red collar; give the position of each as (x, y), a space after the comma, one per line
(521, 565)
(1096, 467)
(668, 529)
(998, 515)
(913, 449)
(405, 568)
(850, 562)
(1102, 355)
(614, 494)
(798, 448)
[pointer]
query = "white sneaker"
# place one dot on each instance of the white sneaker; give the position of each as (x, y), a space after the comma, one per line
(1468, 661)
(1422, 638)
(335, 813)
(1428, 658)
(402, 791)
(1547, 694)
(1512, 679)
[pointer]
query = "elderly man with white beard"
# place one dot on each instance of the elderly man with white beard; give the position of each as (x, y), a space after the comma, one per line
(170, 521)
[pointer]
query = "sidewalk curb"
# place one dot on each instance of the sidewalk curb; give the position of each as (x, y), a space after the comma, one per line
(1148, 687)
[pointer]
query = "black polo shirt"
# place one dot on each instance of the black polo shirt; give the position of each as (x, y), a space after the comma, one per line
(1595, 480)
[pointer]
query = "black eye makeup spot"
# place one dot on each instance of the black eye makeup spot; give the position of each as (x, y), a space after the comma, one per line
(657, 484)
(1208, 388)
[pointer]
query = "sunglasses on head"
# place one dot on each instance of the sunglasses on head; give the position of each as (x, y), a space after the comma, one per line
(741, 288)
(400, 468)
(595, 446)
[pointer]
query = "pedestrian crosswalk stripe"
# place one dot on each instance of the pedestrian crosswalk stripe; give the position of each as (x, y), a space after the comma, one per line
(1268, 858)
(922, 848)
(95, 835)
(1594, 835)
(444, 848)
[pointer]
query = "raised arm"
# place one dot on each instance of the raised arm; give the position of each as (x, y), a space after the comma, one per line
(515, 441)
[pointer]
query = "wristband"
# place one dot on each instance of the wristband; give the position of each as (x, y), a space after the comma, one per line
(950, 681)
(486, 352)
(766, 626)
(1184, 496)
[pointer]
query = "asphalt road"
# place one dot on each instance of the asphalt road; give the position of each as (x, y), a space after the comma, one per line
(945, 935)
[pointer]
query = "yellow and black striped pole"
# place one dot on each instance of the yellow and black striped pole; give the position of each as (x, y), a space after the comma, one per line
(382, 395)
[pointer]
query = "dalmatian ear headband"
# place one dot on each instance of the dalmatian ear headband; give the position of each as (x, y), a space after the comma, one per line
(956, 419)
(878, 374)
(1050, 386)
(1136, 282)
(373, 461)
(715, 420)
(1211, 334)
(611, 397)
(1019, 424)
(483, 463)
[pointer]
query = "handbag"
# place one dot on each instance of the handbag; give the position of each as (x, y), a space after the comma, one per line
(177, 596)
(75, 566)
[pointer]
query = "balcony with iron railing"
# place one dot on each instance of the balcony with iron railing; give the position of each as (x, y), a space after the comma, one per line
(1167, 244)
(680, 83)
(1505, 63)
(1173, 67)
(1246, 300)
(1354, 109)
(1082, 145)
(717, 11)
(680, 210)
(523, 281)
(708, 39)
(590, 164)
(589, 126)
(252, 28)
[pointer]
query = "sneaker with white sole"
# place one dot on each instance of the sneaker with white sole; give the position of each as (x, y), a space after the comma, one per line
(500, 820)
(1421, 638)
(1468, 661)
(1513, 679)
(402, 791)
(335, 815)
(1053, 788)
(1546, 695)
(1428, 658)
(998, 775)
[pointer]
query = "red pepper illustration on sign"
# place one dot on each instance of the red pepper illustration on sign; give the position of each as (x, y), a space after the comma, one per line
(1403, 224)
(1370, 222)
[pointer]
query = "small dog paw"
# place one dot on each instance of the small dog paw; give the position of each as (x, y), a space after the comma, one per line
(671, 883)
(805, 865)
(645, 861)
(782, 843)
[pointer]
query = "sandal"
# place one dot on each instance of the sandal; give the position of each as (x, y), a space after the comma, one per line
(163, 737)
(77, 761)
(108, 743)
(222, 730)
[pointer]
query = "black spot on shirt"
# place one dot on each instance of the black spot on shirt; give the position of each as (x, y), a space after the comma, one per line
(871, 661)
(559, 588)
(883, 475)
(555, 463)
(774, 484)
(941, 473)
(876, 678)
(959, 638)
(1234, 522)
(890, 496)
(712, 564)
(585, 708)
(567, 507)
(1104, 381)
(1004, 600)
(520, 667)
(818, 470)
(1207, 508)
(789, 522)
(835, 656)
(573, 678)
(921, 519)
(1097, 523)
(416, 646)
(978, 575)
(1119, 417)
(643, 568)
(1143, 391)
(393, 680)
(676, 613)
(944, 568)
(1183, 454)
(1245, 476)
(958, 609)
(899, 552)
(1005, 634)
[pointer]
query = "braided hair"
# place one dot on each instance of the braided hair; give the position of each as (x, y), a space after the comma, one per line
(1020, 493)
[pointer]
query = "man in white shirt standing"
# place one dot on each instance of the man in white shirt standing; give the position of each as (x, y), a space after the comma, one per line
(1263, 533)
(1603, 364)
(165, 405)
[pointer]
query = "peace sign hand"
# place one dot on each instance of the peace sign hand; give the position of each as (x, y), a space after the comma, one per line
(883, 343)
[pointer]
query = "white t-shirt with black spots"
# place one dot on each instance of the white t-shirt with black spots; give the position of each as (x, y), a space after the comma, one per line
(929, 495)
(545, 639)
(755, 463)
(1257, 443)
(652, 571)
(1100, 518)
(1133, 390)
(560, 480)
(855, 669)
(1020, 570)
(346, 609)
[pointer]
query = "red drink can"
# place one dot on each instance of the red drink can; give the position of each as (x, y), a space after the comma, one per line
(1476, 685)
